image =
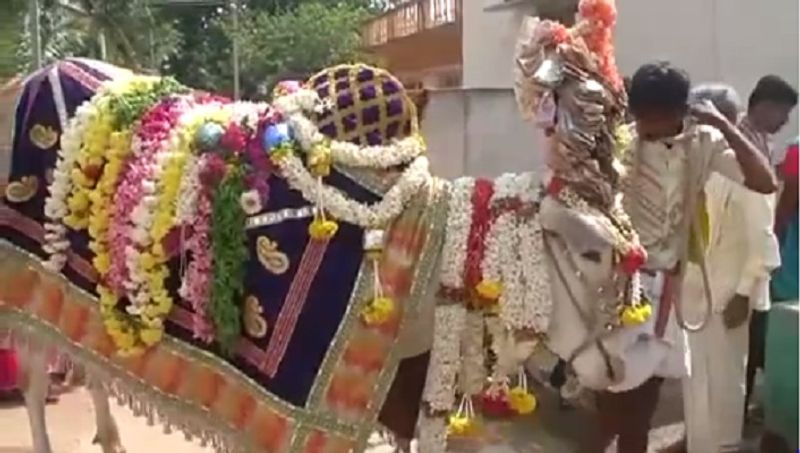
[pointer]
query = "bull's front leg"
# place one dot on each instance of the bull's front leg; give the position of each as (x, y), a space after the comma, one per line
(107, 432)
(35, 383)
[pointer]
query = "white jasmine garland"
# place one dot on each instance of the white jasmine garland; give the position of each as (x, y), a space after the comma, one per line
(294, 107)
(537, 300)
(500, 234)
(55, 206)
(472, 375)
(338, 205)
(432, 433)
(459, 220)
(189, 190)
(449, 326)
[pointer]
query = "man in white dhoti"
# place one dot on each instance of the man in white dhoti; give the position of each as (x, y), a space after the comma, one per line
(668, 165)
(741, 253)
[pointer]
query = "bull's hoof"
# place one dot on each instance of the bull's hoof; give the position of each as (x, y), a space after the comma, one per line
(108, 447)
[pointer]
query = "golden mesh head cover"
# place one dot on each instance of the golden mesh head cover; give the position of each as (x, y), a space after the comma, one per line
(369, 106)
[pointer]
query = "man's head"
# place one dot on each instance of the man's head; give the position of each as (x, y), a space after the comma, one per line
(770, 103)
(658, 100)
(724, 98)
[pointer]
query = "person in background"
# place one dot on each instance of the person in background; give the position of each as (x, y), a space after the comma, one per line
(768, 109)
(675, 148)
(740, 254)
(781, 372)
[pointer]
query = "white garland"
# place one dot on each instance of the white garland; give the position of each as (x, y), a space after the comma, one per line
(449, 325)
(55, 206)
(472, 375)
(459, 220)
(335, 202)
(432, 434)
(294, 106)
(537, 302)
(189, 190)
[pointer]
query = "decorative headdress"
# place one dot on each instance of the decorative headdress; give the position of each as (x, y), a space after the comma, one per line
(566, 79)
(368, 105)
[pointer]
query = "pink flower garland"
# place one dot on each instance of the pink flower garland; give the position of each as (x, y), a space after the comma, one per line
(196, 284)
(154, 128)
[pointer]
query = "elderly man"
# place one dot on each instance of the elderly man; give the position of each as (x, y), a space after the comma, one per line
(740, 254)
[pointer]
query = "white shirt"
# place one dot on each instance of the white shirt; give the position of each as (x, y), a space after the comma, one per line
(660, 176)
(656, 187)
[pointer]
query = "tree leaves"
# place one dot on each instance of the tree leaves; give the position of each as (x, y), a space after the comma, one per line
(296, 41)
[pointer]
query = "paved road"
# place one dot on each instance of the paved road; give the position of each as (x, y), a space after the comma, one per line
(549, 430)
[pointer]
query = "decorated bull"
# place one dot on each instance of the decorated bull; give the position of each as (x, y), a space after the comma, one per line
(315, 305)
(565, 239)
(253, 274)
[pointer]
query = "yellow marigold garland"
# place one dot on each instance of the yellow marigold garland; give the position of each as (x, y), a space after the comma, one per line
(90, 163)
(106, 146)
(153, 262)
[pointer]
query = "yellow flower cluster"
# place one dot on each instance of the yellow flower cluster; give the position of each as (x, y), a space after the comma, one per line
(322, 230)
(101, 198)
(90, 162)
(319, 159)
(635, 315)
(153, 262)
(378, 311)
(460, 425)
(521, 400)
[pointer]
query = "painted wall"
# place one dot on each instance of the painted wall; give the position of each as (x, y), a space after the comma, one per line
(478, 132)
(488, 43)
(736, 41)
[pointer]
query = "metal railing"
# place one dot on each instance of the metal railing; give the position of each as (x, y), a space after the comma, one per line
(409, 18)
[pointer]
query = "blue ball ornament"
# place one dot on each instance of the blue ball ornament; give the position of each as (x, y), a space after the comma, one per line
(209, 135)
(276, 135)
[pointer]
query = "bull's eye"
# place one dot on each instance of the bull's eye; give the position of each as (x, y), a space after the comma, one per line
(591, 255)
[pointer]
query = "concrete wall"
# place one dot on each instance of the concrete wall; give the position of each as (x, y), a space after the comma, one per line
(736, 41)
(488, 42)
(478, 132)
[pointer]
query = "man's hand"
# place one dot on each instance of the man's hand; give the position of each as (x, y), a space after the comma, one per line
(737, 311)
(706, 113)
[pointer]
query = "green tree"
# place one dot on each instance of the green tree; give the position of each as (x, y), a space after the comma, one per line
(12, 26)
(297, 40)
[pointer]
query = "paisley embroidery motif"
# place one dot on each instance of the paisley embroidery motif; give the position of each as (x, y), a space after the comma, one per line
(254, 323)
(44, 137)
(270, 257)
(22, 190)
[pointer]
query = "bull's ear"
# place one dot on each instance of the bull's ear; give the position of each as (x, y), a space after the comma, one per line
(581, 233)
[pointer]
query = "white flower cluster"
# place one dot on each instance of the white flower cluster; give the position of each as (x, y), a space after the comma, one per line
(449, 325)
(432, 434)
(459, 220)
(473, 361)
(55, 206)
(294, 108)
(189, 190)
(537, 302)
(340, 206)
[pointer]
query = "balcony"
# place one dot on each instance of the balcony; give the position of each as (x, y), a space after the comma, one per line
(416, 35)
(409, 18)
